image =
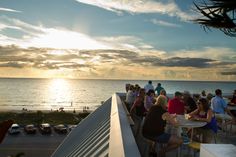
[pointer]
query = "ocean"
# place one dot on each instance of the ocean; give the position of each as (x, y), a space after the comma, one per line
(74, 94)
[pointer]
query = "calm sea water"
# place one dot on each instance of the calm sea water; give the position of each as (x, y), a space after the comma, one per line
(47, 94)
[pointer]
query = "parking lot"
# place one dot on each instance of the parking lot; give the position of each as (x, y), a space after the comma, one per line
(32, 145)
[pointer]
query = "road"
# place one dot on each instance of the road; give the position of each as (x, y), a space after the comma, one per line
(32, 145)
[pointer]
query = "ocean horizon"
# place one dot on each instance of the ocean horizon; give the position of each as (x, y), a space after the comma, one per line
(74, 94)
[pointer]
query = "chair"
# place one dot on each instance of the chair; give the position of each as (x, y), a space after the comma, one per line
(195, 146)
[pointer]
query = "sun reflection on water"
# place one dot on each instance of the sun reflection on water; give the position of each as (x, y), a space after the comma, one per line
(59, 92)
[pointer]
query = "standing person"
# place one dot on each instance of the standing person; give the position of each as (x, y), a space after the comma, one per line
(138, 107)
(127, 87)
(130, 97)
(148, 86)
(149, 99)
(203, 94)
(155, 123)
(176, 105)
(158, 89)
(204, 113)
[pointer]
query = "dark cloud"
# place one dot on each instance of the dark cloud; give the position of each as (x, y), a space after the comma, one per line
(13, 65)
(174, 62)
(229, 73)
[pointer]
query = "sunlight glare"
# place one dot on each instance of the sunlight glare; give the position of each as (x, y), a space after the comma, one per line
(59, 90)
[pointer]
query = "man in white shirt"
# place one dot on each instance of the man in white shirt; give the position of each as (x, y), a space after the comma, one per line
(148, 86)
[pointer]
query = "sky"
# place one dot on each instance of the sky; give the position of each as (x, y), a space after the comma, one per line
(111, 39)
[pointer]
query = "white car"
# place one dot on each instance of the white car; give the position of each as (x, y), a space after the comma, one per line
(14, 129)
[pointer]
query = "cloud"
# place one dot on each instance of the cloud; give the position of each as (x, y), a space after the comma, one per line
(141, 6)
(164, 23)
(9, 10)
(39, 36)
(228, 73)
(215, 53)
(112, 63)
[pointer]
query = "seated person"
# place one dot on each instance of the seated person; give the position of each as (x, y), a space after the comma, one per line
(219, 105)
(155, 123)
(149, 99)
(204, 113)
(189, 103)
(176, 105)
(233, 103)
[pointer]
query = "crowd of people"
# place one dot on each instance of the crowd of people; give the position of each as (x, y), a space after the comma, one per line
(155, 109)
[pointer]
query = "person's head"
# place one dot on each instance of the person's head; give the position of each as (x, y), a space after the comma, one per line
(203, 93)
(131, 87)
(209, 96)
(137, 87)
(178, 94)
(163, 92)
(149, 82)
(161, 101)
(186, 94)
(159, 84)
(127, 87)
(151, 92)
(218, 92)
(141, 92)
(203, 104)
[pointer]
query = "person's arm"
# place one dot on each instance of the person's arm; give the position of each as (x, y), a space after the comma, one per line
(208, 118)
(192, 114)
(170, 118)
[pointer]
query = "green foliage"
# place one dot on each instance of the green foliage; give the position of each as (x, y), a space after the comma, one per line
(38, 117)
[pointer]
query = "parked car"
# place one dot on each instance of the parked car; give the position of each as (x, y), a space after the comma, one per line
(71, 127)
(45, 128)
(61, 129)
(30, 129)
(14, 129)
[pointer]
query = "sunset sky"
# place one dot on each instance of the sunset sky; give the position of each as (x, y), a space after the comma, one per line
(111, 39)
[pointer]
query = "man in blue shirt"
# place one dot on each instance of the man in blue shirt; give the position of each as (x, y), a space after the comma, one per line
(218, 103)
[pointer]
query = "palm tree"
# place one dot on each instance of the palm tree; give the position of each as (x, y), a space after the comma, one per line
(218, 14)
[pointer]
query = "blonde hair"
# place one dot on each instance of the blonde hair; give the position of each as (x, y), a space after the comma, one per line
(161, 100)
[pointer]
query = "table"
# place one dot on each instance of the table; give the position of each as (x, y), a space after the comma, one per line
(185, 123)
(217, 150)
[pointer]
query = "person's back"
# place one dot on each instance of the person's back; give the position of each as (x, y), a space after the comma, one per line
(148, 86)
(154, 116)
(175, 105)
(130, 97)
(218, 104)
(158, 89)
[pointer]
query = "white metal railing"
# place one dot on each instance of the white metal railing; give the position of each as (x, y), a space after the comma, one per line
(122, 142)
